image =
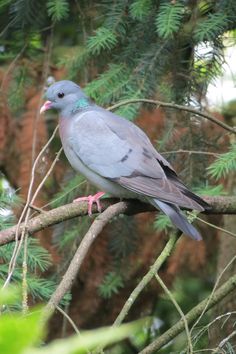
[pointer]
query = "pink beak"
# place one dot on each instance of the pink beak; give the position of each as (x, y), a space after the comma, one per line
(47, 105)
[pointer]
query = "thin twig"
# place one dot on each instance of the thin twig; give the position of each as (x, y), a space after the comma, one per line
(178, 308)
(39, 210)
(218, 318)
(216, 227)
(25, 213)
(47, 174)
(176, 106)
(213, 291)
(146, 279)
(24, 278)
(190, 152)
(225, 340)
(69, 319)
(191, 316)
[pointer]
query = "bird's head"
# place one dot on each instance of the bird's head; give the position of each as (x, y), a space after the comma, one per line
(63, 95)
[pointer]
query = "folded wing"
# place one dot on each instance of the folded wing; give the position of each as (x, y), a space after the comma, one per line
(118, 150)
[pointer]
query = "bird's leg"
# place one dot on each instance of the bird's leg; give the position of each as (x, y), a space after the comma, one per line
(91, 199)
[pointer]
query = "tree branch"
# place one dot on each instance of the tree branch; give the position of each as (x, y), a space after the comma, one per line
(220, 205)
(176, 106)
(191, 316)
(71, 273)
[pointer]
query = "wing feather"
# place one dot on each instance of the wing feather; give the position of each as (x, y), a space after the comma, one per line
(106, 153)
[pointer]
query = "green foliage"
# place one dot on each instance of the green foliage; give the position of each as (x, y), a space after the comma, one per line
(140, 9)
(8, 200)
(208, 29)
(26, 13)
(9, 295)
(103, 39)
(16, 93)
(105, 87)
(111, 285)
(124, 49)
(169, 19)
(58, 9)
(89, 340)
(187, 290)
(65, 243)
(4, 3)
(75, 61)
(42, 289)
(38, 258)
(22, 334)
(115, 17)
(68, 191)
(162, 223)
(224, 164)
(14, 329)
(210, 190)
(123, 241)
(123, 238)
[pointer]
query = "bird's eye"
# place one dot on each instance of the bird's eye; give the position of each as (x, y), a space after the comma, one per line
(60, 95)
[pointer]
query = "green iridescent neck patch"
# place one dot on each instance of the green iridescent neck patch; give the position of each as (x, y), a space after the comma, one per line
(82, 103)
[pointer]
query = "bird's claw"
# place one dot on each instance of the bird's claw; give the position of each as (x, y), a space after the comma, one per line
(91, 199)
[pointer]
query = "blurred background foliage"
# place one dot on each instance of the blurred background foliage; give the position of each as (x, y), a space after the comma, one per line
(116, 50)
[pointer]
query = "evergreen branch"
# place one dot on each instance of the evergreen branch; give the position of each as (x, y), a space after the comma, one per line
(220, 205)
(224, 164)
(169, 19)
(58, 9)
(208, 29)
(191, 316)
(103, 39)
(67, 280)
(175, 106)
(111, 284)
(140, 9)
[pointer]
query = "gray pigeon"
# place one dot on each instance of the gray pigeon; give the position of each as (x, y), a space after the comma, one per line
(117, 156)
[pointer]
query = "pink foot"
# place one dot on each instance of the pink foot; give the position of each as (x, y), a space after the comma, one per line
(91, 199)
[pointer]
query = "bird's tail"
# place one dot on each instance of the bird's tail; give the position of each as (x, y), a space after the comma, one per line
(178, 219)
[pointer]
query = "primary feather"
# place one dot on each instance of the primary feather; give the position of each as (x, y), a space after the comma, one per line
(118, 157)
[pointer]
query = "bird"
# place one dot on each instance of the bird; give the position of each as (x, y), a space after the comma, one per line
(116, 156)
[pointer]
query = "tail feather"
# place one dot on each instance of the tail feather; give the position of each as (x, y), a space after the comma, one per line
(178, 219)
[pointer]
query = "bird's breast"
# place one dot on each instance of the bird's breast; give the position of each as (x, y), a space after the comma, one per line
(101, 182)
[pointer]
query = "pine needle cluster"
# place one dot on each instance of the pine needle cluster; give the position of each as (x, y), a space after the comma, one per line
(40, 288)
